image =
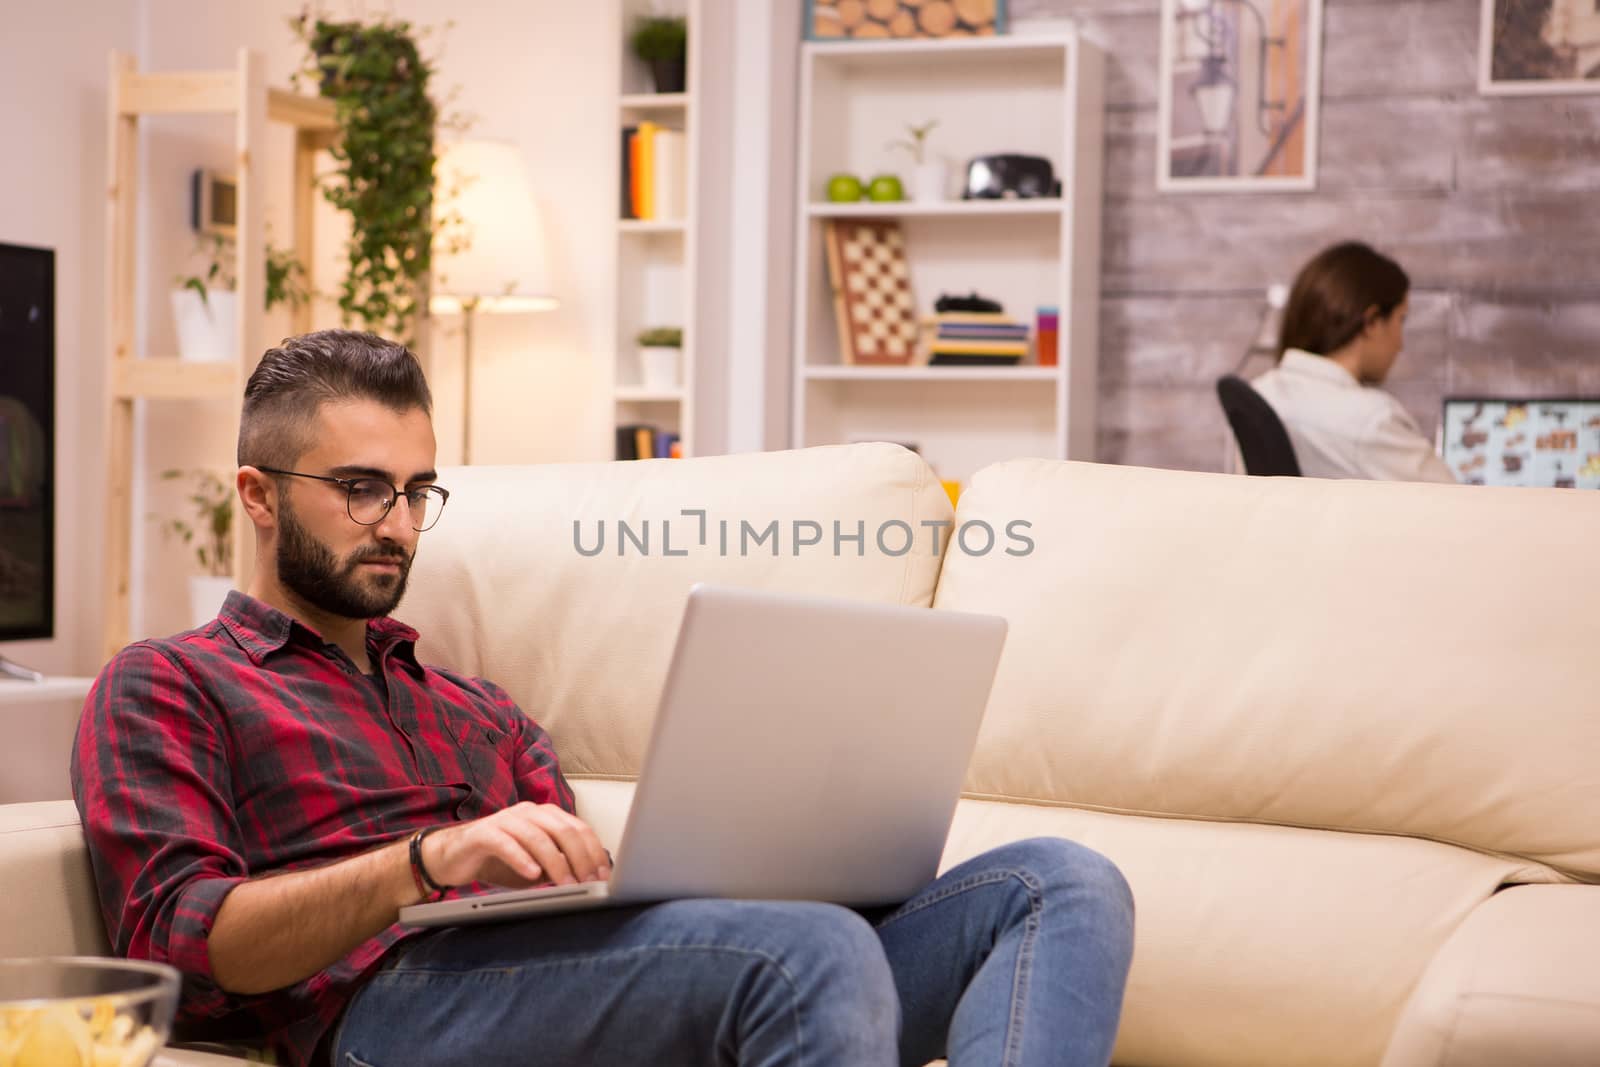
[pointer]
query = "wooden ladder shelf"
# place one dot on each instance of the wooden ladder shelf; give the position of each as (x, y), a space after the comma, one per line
(243, 93)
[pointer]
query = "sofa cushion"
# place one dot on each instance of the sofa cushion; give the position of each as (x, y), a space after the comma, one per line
(1383, 657)
(501, 589)
(1262, 946)
(1519, 982)
(603, 803)
(1250, 940)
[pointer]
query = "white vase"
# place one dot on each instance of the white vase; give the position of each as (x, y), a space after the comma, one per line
(658, 366)
(206, 594)
(205, 327)
(929, 181)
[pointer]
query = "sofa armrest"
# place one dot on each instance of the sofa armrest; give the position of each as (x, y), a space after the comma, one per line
(47, 883)
(1518, 982)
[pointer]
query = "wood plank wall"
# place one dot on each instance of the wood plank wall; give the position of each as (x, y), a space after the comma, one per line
(1491, 204)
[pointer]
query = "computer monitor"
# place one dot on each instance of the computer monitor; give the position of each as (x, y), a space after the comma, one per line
(1552, 442)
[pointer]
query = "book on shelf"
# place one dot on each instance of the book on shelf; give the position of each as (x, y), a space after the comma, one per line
(637, 440)
(975, 317)
(668, 178)
(629, 133)
(976, 338)
(960, 359)
(654, 172)
(970, 332)
(979, 348)
(647, 170)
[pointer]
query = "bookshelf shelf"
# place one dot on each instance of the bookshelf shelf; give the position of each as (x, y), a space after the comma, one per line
(652, 226)
(956, 209)
(932, 374)
(638, 394)
(656, 101)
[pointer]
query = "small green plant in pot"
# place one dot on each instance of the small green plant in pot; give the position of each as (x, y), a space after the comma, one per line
(660, 349)
(286, 275)
(662, 43)
(208, 530)
(929, 174)
(204, 306)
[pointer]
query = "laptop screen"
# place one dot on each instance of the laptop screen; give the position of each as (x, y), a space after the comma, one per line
(1498, 441)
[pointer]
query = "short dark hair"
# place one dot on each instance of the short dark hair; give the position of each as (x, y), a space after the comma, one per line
(1331, 294)
(295, 379)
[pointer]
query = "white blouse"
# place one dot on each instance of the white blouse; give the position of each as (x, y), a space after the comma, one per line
(1343, 429)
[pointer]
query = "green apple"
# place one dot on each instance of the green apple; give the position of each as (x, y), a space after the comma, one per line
(885, 187)
(844, 188)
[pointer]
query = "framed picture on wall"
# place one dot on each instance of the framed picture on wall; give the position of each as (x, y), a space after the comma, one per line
(1532, 47)
(865, 20)
(1240, 88)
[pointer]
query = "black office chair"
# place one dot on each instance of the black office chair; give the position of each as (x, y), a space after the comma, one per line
(1263, 442)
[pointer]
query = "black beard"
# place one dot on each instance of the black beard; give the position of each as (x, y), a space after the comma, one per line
(310, 570)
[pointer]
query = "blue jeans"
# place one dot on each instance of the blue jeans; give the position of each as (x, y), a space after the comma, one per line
(1016, 958)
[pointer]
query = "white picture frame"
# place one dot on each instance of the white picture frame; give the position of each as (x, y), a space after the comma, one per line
(1565, 26)
(1240, 96)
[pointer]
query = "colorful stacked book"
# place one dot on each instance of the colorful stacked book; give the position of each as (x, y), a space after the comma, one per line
(643, 441)
(977, 339)
(654, 172)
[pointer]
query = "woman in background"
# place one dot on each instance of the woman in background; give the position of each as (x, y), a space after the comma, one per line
(1342, 331)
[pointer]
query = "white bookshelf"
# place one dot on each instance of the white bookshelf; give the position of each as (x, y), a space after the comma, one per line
(657, 258)
(1039, 95)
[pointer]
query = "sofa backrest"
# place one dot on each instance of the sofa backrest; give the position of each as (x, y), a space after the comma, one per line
(1404, 659)
(509, 585)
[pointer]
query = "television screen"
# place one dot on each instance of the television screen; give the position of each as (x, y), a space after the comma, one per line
(1552, 443)
(27, 441)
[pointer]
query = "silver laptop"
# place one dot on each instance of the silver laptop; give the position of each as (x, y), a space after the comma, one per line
(804, 749)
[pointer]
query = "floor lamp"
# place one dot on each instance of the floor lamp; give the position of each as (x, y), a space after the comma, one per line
(491, 256)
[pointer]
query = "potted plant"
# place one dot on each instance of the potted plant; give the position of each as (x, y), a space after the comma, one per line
(662, 43)
(210, 533)
(384, 161)
(205, 306)
(659, 349)
(929, 175)
(204, 309)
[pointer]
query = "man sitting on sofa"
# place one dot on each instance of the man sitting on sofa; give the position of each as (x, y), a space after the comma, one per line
(262, 795)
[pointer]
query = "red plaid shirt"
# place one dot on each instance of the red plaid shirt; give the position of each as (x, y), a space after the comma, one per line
(252, 746)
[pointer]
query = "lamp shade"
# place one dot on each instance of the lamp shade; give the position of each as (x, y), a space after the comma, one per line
(503, 266)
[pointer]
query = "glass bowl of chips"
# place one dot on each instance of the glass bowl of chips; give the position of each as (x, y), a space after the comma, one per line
(84, 1012)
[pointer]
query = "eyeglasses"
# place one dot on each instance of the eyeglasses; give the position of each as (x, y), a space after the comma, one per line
(368, 500)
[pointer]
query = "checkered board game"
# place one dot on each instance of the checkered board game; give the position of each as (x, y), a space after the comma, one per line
(871, 291)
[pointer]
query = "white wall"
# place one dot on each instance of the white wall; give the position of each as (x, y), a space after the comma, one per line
(541, 75)
(53, 63)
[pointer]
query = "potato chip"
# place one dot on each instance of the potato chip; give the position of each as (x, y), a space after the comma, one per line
(87, 1033)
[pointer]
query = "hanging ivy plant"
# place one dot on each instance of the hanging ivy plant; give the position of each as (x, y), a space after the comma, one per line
(383, 178)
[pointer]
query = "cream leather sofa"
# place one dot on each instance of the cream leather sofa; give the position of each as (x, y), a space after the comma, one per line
(1322, 726)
